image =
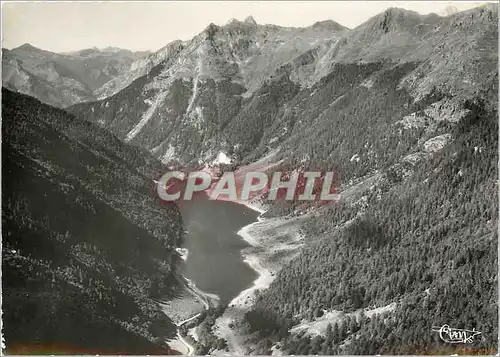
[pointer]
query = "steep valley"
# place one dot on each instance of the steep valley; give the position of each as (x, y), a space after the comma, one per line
(403, 108)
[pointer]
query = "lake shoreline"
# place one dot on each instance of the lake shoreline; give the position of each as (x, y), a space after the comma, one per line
(269, 244)
(180, 344)
(193, 300)
(268, 238)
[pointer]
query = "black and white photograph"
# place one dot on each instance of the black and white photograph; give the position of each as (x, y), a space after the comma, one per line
(235, 178)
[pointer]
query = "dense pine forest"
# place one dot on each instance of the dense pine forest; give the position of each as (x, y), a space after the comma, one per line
(86, 246)
(423, 237)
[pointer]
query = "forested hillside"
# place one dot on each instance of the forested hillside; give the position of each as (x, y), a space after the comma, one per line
(422, 237)
(86, 246)
(413, 242)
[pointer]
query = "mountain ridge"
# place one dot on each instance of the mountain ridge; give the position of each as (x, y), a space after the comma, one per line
(62, 79)
(190, 85)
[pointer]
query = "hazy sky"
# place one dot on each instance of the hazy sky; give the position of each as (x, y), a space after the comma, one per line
(65, 26)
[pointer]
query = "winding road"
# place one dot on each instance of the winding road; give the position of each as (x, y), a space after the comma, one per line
(206, 303)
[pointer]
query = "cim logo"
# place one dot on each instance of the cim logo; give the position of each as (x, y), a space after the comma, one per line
(296, 185)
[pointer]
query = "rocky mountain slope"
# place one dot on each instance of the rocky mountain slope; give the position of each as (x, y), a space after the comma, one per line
(85, 243)
(197, 87)
(245, 88)
(63, 79)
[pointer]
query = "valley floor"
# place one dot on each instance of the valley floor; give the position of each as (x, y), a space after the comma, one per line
(273, 243)
(187, 307)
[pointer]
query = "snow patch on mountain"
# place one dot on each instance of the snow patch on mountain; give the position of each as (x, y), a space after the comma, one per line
(169, 155)
(355, 157)
(222, 158)
(412, 121)
(367, 83)
(436, 143)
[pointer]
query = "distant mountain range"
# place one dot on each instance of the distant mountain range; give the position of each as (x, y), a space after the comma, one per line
(243, 86)
(62, 79)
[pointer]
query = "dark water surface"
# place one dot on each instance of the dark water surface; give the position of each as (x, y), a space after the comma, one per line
(214, 262)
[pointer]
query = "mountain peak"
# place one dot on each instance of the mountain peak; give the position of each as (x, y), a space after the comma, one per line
(393, 19)
(27, 47)
(250, 20)
(396, 15)
(396, 11)
(211, 29)
(329, 25)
